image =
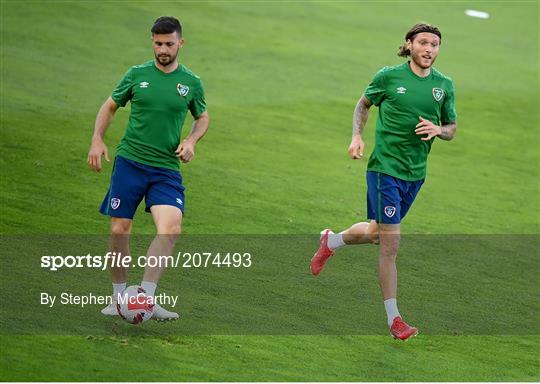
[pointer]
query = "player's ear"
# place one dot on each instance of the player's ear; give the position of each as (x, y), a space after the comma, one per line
(409, 44)
(181, 42)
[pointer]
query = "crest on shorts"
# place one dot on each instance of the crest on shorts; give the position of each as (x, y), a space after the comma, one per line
(389, 211)
(438, 94)
(115, 203)
(182, 89)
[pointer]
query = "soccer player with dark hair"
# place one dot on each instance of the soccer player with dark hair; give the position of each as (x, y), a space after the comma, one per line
(161, 92)
(416, 105)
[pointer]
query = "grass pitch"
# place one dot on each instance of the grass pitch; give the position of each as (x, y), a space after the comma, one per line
(281, 80)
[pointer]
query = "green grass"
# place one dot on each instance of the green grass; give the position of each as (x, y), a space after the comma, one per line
(290, 358)
(281, 81)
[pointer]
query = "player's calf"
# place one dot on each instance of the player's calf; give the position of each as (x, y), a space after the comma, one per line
(362, 233)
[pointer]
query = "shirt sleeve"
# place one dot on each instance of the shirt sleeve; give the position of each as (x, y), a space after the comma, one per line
(197, 104)
(448, 114)
(375, 91)
(123, 91)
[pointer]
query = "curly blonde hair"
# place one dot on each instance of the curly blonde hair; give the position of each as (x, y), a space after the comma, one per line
(411, 34)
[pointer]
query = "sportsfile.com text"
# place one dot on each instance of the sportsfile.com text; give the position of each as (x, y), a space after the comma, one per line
(182, 260)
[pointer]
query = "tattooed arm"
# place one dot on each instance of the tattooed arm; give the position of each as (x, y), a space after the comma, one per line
(356, 149)
(448, 131)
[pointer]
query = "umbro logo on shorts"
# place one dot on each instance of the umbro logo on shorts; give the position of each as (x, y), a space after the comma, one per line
(389, 211)
(179, 201)
(115, 203)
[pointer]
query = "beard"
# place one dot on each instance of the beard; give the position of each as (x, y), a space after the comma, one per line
(420, 61)
(166, 59)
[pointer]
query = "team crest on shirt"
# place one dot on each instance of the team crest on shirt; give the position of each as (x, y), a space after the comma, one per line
(115, 203)
(438, 94)
(182, 89)
(389, 211)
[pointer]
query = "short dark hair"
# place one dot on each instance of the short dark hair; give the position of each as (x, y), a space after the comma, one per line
(415, 30)
(165, 25)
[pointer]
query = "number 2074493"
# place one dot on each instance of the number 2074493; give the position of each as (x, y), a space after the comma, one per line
(215, 260)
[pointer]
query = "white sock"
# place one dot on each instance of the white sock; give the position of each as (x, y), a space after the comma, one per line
(335, 241)
(149, 287)
(391, 310)
(117, 289)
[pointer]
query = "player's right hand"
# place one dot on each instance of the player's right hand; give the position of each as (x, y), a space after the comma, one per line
(97, 149)
(356, 149)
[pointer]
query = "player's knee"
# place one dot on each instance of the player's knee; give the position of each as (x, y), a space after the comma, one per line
(373, 232)
(120, 227)
(172, 230)
(168, 234)
(389, 237)
(176, 229)
(374, 238)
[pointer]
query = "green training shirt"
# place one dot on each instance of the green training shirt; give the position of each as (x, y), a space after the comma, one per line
(159, 104)
(402, 96)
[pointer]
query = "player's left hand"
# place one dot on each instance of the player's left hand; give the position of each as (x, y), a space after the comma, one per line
(426, 127)
(185, 151)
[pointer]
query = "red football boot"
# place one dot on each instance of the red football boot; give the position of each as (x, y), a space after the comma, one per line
(401, 330)
(323, 253)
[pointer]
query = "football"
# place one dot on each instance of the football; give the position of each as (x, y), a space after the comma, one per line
(134, 306)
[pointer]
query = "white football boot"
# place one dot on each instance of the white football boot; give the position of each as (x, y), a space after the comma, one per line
(110, 310)
(161, 314)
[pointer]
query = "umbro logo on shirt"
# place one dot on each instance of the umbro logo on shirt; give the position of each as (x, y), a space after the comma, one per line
(144, 84)
(401, 90)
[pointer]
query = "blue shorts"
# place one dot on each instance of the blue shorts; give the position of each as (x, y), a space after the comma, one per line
(131, 181)
(389, 198)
